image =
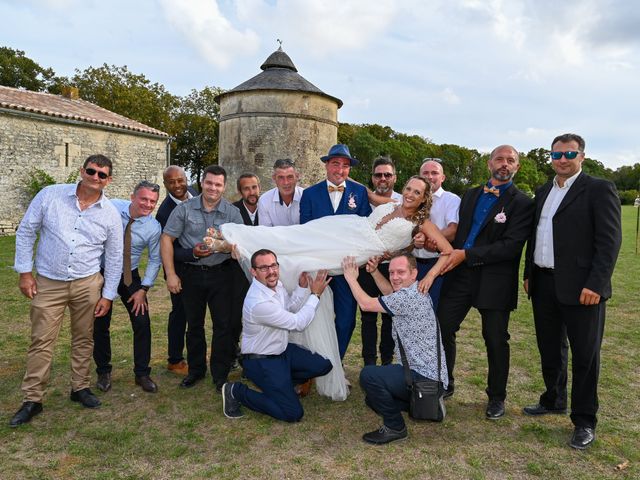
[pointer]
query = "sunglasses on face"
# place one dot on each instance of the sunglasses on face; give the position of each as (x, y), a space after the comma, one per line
(380, 175)
(101, 175)
(568, 155)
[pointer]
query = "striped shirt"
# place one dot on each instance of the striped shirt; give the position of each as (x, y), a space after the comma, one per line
(71, 240)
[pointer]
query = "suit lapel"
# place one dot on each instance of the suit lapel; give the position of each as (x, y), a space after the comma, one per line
(503, 201)
(342, 206)
(541, 197)
(465, 227)
(575, 190)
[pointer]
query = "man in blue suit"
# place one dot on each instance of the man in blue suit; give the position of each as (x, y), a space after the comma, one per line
(337, 196)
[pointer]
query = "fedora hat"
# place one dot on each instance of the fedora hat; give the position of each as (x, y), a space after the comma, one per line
(339, 151)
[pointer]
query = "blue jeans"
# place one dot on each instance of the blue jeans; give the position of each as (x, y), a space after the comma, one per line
(434, 292)
(386, 392)
(276, 377)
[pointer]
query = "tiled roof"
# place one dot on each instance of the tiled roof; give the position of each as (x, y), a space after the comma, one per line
(79, 110)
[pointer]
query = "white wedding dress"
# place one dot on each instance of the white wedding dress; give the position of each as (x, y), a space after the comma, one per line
(317, 245)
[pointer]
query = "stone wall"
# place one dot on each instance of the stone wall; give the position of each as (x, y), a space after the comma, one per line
(257, 128)
(59, 148)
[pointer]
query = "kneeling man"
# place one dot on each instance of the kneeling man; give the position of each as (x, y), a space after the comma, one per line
(268, 359)
(414, 324)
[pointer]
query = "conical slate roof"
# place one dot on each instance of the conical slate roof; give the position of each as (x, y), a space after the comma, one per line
(279, 73)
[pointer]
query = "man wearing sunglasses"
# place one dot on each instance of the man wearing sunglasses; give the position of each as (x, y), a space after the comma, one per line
(141, 231)
(77, 226)
(269, 360)
(569, 262)
(383, 179)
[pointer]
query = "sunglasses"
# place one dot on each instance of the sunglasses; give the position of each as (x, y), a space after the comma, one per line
(380, 175)
(568, 155)
(92, 171)
(266, 268)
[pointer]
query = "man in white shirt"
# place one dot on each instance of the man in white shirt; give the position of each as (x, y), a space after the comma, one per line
(77, 225)
(281, 205)
(444, 215)
(269, 360)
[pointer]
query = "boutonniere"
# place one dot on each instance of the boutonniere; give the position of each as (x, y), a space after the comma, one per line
(500, 217)
(351, 203)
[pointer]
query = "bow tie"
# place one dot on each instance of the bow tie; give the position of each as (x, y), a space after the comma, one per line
(336, 189)
(493, 190)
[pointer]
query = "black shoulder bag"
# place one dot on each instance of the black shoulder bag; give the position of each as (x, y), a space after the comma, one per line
(426, 400)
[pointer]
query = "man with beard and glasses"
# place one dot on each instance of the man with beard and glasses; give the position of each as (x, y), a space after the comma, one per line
(248, 185)
(494, 222)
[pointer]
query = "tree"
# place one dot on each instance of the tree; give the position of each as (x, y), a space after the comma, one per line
(19, 71)
(126, 93)
(196, 128)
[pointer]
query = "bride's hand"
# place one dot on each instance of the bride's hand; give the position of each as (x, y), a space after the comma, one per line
(304, 279)
(319, 283)
(372, 264)
(350, 268)
(419, 239)
(425, 284)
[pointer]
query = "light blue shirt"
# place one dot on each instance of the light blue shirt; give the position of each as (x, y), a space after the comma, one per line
(145, 233)
(72, 241)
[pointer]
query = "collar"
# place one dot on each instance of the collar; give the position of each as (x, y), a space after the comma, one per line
(266, 291)
(73, 192)
(438, 193)
(178, 202)
(503, 188)
(222, 207)
(343, 184)
(568, 182)
(297, 195)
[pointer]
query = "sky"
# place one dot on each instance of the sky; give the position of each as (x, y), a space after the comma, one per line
(475, 73)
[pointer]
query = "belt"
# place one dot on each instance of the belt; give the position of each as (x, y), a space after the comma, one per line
(192, 266)
(546, 271)
(258, 356)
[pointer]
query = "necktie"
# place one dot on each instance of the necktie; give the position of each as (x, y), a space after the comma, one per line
(336, 189)
(493, 190)
(126, 255)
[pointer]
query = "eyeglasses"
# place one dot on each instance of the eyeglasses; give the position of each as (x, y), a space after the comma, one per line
(437, 160)
(154, 187)
(379, 175)
(284, 163)
(101, 175)
(568, 155)
(266, 268)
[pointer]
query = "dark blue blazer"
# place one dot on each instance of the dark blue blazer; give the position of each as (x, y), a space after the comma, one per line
(315, 202)
(180, 254)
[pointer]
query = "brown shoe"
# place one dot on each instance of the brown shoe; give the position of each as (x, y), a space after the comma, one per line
(147, 384)
(304, 389)
(180, 368)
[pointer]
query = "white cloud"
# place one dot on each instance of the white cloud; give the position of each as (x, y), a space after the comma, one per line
(449, 96)
(204, 25)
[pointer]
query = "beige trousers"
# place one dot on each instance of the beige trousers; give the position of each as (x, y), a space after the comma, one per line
(47, 312)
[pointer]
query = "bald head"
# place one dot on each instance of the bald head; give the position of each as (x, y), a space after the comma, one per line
(175, 181)
(433, 172)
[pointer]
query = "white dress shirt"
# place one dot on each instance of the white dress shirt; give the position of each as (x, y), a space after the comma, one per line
(178, 201)
(273, 212)
(336, 196)
(543, 253)
(72, 241)
(444, 210)
(268, 315)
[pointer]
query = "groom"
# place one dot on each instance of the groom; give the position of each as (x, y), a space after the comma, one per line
(337, 196)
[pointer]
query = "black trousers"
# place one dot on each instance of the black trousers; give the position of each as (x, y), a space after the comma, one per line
(210, 287)
(583, 325)
(176, 325)
(369, 320)
(455, 303)
(141, 325)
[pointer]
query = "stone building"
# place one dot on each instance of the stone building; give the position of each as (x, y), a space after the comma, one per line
(57, 133)
(276, 114)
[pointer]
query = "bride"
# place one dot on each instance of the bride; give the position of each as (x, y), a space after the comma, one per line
(323, 243)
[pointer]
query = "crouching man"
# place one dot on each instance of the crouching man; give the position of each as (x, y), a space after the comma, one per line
(268, 359)
(414, 324)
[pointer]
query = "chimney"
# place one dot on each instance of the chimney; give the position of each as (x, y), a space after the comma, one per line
(71, 93)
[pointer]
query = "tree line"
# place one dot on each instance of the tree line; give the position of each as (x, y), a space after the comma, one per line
(192, 122)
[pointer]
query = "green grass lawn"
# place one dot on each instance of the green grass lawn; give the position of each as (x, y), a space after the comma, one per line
(177, 433)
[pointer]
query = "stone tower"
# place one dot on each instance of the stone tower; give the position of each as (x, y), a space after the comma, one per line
(276, 114)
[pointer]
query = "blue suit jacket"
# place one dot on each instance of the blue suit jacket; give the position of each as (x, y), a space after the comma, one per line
(315, 201)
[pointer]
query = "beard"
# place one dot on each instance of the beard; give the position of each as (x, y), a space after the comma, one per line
(502, 177)
(382, 189)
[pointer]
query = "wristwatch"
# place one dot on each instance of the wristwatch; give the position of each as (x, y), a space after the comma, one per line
(145, 288)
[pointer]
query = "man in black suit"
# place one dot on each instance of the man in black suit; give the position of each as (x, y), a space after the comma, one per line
(495, 221)
(570, 259)
(175, 181)
(248, 185)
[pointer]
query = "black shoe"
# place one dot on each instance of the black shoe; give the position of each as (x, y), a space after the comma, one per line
(27, 411)
(86, 398)
(538, 409)
(104, 382)
(495, 409)
(190, 380)
(582, 438)
(147, 384)
(230, 406)
(384, 435)
(387, 361)
(448, 393)
(219, 384)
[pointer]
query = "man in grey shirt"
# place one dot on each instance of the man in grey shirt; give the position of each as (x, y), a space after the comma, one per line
(207, 280)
